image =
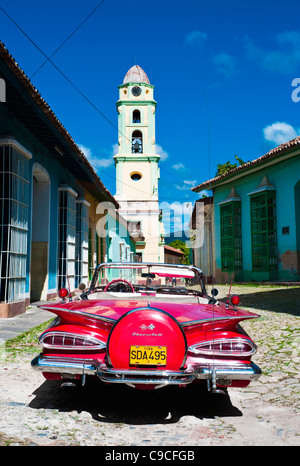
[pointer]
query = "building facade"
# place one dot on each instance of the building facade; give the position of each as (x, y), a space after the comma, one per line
(201, 234)
(173, 255)
(137, 164)
(49, 195)
(256, 218)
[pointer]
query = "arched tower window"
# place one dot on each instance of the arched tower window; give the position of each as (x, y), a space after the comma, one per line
(137, 142)
(136, 116)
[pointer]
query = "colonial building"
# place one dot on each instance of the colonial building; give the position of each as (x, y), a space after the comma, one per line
(49, 194)
(201, 233)
(173, 255)
(137, 170)
(109, 237)
(255, 231)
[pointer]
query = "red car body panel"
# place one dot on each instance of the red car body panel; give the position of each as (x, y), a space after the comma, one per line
(144, 341)
(185, 313)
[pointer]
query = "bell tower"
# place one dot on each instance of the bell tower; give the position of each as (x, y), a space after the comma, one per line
(137, 170)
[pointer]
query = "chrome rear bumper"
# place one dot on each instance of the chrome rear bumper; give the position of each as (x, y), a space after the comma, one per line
(64, 365)
(160, 377)
(144, 377)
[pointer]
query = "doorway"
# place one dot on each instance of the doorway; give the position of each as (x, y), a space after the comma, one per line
(39, 233)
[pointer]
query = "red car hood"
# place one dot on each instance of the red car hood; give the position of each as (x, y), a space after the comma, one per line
(184, 313)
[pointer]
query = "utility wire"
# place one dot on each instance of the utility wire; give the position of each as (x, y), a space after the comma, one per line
(57, 69)
(66, 40)
(48, 59)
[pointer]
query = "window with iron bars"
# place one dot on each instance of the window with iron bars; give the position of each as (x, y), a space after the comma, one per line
(66, 239)
(14, 206)
(82, 242)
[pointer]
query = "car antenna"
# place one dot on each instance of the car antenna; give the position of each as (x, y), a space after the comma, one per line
(227, 302)
(70, 297)
(212, 384)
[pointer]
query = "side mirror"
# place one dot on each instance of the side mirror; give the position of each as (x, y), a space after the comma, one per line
(214, 292)
(82, 286)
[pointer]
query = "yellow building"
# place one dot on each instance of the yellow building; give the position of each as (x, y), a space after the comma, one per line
(137, 169)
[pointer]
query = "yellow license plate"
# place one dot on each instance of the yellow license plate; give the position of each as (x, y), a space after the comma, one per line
(148, 355)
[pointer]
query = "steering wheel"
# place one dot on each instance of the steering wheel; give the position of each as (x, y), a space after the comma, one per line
(123, 286)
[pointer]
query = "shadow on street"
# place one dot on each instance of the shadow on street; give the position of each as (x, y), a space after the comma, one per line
(123, 404)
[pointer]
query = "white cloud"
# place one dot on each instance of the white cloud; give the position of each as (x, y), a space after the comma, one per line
(196, 38)
(178, 166)
(103, 163)
(163, 154)
(225, 64)
(97, 162)
(280, 132)
(187, 184)
(190, 182)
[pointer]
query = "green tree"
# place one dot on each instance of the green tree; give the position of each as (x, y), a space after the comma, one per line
(225, 167)
(177, 244)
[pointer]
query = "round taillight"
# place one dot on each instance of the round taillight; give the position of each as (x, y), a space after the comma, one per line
(63, 292)
(235, 300)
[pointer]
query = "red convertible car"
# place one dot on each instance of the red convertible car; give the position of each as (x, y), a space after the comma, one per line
(147, 326)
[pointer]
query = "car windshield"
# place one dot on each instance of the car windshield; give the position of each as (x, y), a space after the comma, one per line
(162, 278)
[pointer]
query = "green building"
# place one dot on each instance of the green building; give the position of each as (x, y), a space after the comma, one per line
(255, 218)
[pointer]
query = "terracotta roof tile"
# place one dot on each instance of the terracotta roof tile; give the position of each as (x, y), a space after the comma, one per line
(282, 148)
(171, 249)
(34, 93)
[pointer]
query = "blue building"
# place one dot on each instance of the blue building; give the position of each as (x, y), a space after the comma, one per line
(49, 194)
(255, 219)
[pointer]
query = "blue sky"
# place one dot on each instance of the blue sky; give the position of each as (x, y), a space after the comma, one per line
(222, 72)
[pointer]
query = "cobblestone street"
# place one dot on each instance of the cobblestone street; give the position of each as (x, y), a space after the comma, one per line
(277, 335)
(39, 412)
(135, 176)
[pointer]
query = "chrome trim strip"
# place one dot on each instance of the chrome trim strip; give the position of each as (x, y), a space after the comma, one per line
(139, 265)
(113, 321)
(144, 377)
(81, 313)
(242, 372)
(97, 343)
(64, 365)
(216, 319)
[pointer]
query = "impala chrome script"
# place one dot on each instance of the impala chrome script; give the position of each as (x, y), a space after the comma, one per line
(146, 327)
